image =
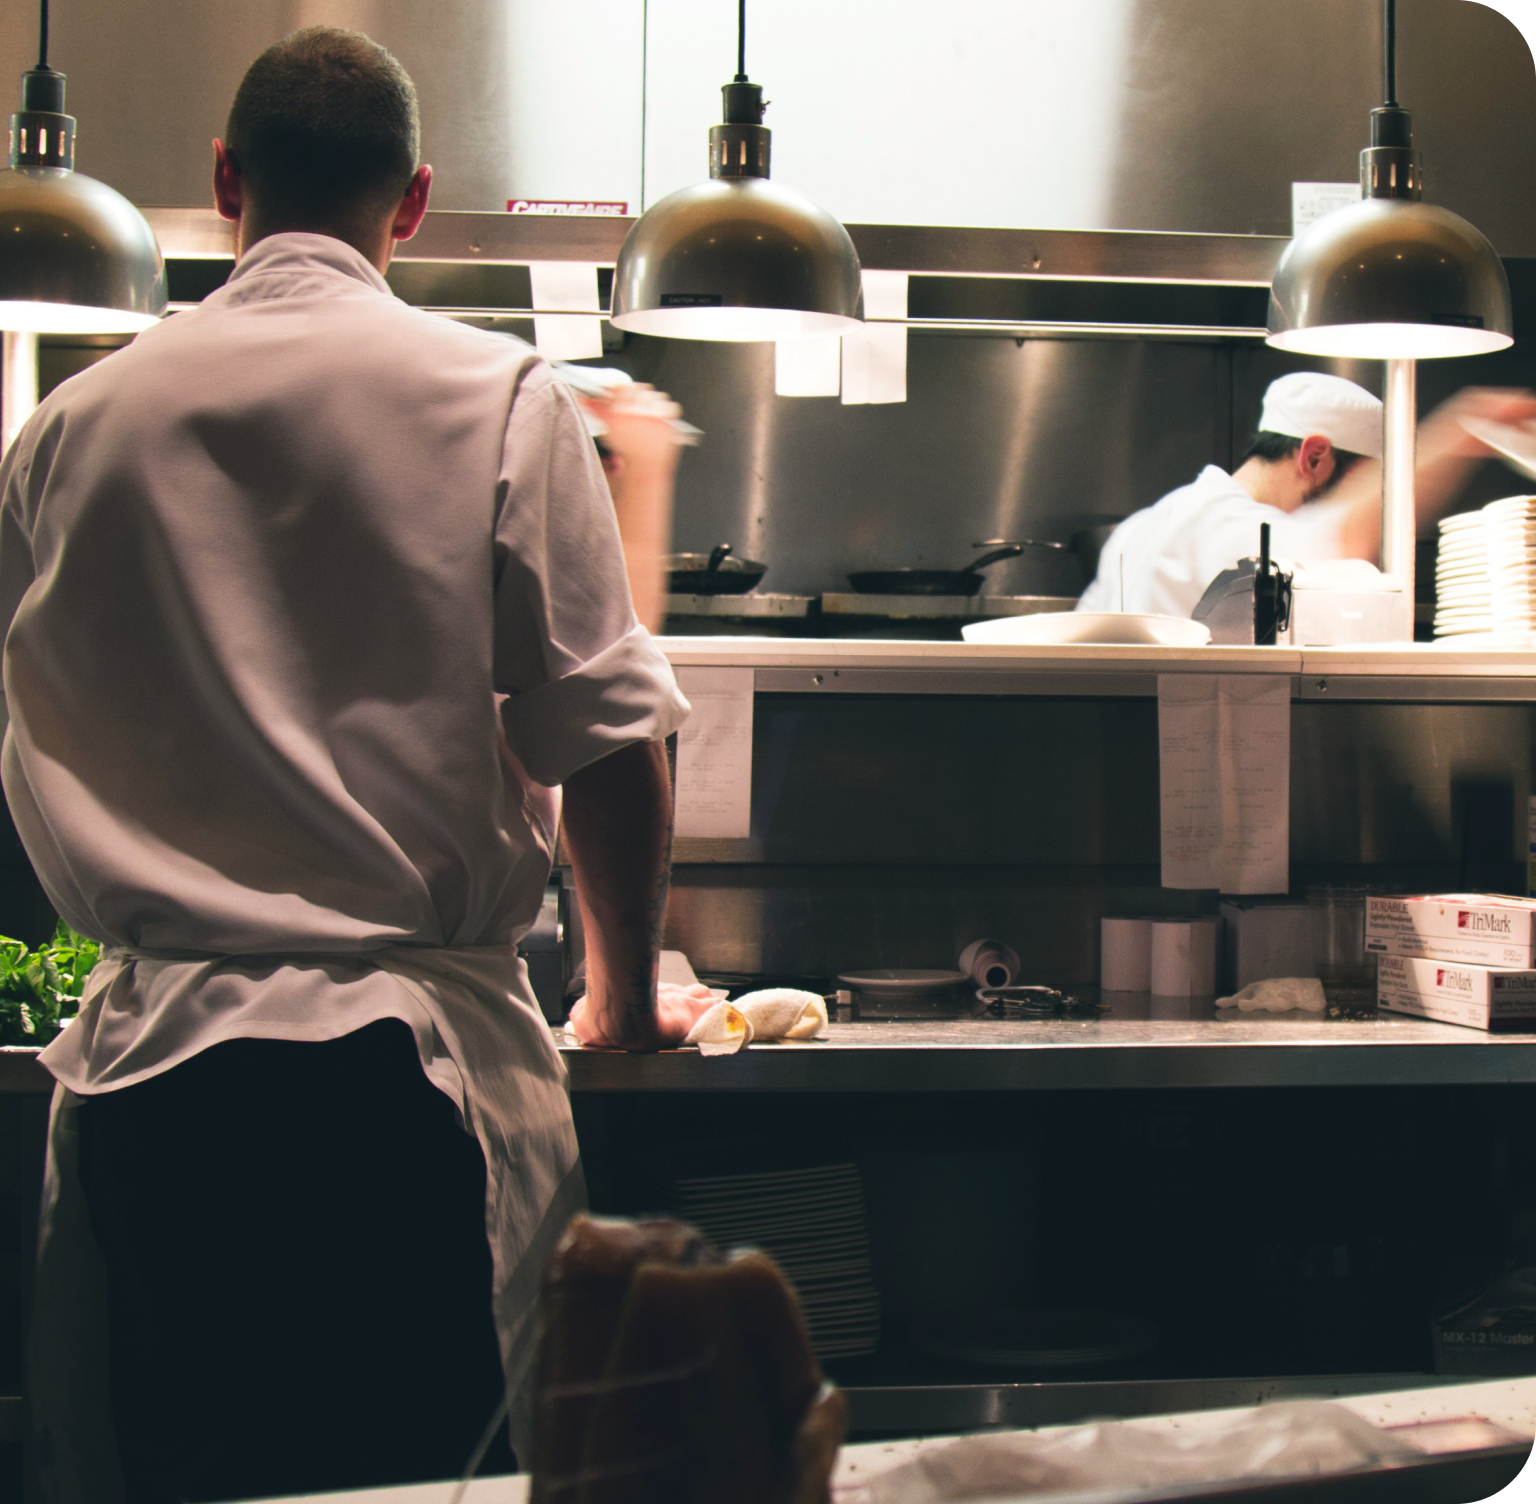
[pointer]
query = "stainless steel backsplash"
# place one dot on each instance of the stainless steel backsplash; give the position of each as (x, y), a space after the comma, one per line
(999, 438)
(889, 832)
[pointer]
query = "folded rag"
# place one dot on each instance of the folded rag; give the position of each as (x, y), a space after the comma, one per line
(1278, 995)
(772, 1013)
(785, 1013)
(722, 1030)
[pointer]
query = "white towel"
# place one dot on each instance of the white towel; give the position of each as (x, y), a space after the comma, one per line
(771, 1013)
(1278, 995)
(721, 1031)
(785, 1013)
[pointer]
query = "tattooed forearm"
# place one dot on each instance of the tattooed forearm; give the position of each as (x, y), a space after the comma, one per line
(618, 828)
(640, 1005)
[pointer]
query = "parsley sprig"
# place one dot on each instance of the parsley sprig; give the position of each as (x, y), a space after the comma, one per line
(40, 989)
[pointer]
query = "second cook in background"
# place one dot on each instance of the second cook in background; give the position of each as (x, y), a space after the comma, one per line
(1312, 472)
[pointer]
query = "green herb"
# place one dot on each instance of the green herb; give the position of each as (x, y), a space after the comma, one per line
(40, 990)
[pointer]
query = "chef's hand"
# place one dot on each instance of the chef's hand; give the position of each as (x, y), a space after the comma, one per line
(1441, 436)
(677, 1010)
(643, 448)
(639, 420)
(1445, 458)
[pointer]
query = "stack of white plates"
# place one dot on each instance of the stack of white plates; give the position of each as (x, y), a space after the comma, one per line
(1511, 542)
(811, 1223)
(1463, 585)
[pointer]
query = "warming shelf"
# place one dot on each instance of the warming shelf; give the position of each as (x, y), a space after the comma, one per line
(1420, 672)
(492, 239)
(1027, 283)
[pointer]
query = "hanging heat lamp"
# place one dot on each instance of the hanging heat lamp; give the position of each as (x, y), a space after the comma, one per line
(739, 257)
(75, 256)
(1392, 279)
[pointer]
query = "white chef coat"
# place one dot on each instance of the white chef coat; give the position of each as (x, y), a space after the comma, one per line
(313, 600)
(1171, 551)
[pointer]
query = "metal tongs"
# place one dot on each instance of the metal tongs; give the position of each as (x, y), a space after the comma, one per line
(1032, 1002)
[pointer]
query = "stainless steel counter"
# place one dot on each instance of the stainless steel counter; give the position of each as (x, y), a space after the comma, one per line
(1107, 1054)
(1053, 1055)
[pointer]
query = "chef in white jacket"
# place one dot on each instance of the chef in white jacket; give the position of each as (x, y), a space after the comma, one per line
(1312, 473)
(312, 602)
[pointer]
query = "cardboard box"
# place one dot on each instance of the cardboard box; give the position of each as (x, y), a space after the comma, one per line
(1478, 929)
(1478, 997)
(1506, 1349)
(1494, 1335)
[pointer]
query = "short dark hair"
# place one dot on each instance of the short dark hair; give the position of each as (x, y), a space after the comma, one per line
(1281, 446)
(324, 128)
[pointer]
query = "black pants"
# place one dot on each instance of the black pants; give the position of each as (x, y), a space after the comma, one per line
(298, 1271)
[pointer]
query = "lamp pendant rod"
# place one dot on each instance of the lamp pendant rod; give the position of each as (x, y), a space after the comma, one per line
(741, 40)
(1388, 52)
(42, 34)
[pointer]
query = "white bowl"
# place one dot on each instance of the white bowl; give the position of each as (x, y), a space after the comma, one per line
(1091, 626)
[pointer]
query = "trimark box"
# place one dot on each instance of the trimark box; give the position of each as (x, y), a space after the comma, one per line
(1479, 997)
(1480, 929)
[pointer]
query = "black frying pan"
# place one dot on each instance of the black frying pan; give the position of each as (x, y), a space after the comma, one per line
(967, 581)
(716, 573)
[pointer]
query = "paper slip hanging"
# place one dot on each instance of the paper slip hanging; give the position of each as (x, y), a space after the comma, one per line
(714, 754)
(810, 366)
(875, 357)
(1224, 768)
(565, 324)
(1311, 201)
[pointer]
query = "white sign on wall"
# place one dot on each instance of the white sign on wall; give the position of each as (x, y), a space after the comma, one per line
(1311, 201)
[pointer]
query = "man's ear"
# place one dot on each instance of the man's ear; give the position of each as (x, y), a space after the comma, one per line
(228, 186)
(1310, 458)
(413, 205)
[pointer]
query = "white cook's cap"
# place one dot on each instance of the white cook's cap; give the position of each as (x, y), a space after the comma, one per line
(1306, 403)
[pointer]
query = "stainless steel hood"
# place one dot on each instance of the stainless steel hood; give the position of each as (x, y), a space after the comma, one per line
(1213, 108)
(151, 83)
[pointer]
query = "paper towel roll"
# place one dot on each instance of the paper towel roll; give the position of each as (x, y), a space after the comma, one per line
(1125, 955)
(1183, 957)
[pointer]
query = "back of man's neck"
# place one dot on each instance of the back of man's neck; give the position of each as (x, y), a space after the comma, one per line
(373, 248)
(1257, 478)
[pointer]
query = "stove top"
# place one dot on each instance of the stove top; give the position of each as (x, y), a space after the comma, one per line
(759, 605)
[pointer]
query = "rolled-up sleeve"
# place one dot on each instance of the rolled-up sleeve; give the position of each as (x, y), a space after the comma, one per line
(578, 676)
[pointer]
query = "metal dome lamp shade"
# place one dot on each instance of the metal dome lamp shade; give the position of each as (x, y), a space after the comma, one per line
(75, 256)
(739, 257)
(1392, 279)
